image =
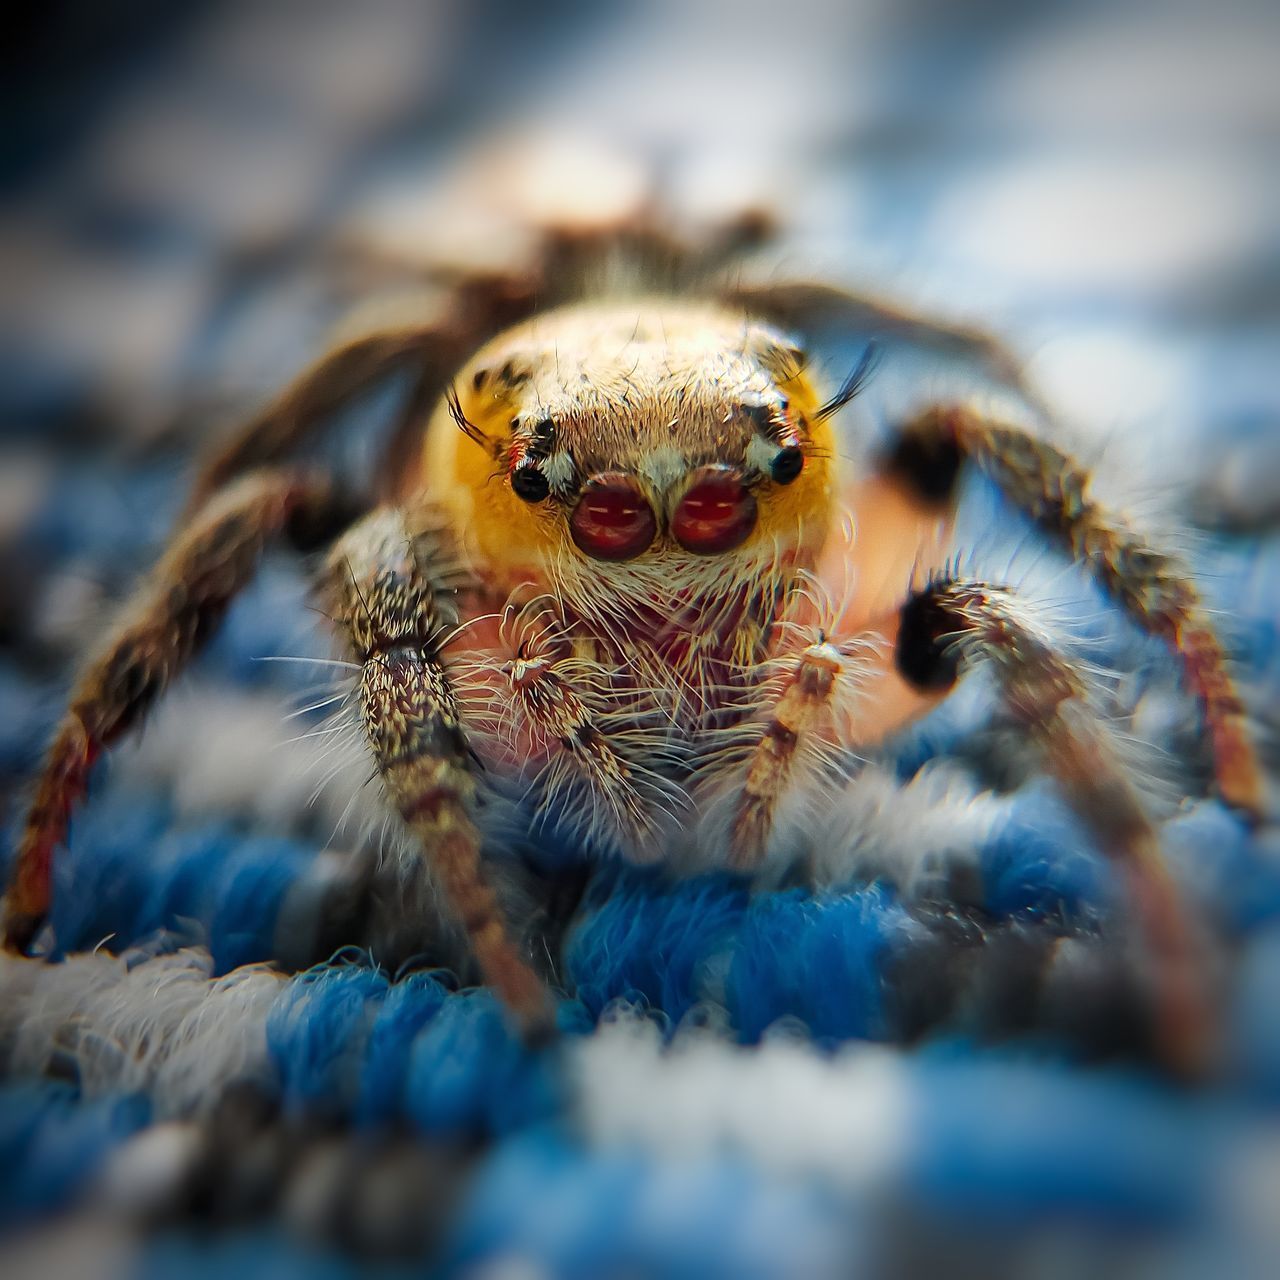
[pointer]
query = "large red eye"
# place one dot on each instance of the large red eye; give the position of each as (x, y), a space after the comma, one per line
(716, 514)
(613, 519)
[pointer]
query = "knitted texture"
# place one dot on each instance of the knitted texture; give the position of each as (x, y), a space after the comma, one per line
(938, 1058)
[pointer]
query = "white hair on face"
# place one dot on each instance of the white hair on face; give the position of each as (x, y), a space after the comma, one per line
(783, 1105)
(162, 1025)
(664, 467)
(559, 470)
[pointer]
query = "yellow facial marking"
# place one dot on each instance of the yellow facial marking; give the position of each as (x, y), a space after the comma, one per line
(648, 393)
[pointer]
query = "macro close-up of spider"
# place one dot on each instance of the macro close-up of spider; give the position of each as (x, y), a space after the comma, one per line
(640, 641)
(636, 577)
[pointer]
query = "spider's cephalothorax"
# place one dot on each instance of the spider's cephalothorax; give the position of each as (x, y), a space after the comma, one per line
(661, 471)
(629, 576)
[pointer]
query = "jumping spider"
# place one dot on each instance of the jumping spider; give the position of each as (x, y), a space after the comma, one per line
(622, 566)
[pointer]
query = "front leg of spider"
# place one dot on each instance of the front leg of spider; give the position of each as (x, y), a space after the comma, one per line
(954, 624)
(1154, 586)
(804, 706)
(175, 611)
(391, 600)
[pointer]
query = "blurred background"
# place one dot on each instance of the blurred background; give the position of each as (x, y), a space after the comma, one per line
(195, 195)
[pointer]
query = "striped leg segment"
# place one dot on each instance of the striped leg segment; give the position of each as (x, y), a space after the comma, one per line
(170, 618)
(952, 625)
(567, 703)
(806, 705)
(802, 304)
(281, 429)
(552, 704)
(1154, 586)
(389, 596)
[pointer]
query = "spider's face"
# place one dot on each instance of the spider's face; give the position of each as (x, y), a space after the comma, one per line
(655, 435)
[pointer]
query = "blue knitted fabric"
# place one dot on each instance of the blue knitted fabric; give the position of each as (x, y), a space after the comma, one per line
(892, 1073)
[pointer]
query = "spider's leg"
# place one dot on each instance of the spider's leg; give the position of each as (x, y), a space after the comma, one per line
(800, 305)
(801, 712)
(391, 596)
(558, 699)
(1153, 585)
(171, 616)
(828, 692)
(278, 431)
(645, 249)
(953, 624)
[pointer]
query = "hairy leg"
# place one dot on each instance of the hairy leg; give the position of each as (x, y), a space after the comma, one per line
(570, 732)
(285, 425)
(1154, 586)
(170, 617)
(568, 260)
(838, 692)
(954, 624)
(391, 594)
(801, 719)
(802, 304)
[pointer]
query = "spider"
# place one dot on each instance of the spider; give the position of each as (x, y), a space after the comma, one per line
(621, 572)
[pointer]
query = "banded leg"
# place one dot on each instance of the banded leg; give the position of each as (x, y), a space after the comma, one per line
(597, 756)
(1155, 587)
(169, 619)
(805, 706)
(277, 432)
(391, 596)
(952, 625)
(802, 304)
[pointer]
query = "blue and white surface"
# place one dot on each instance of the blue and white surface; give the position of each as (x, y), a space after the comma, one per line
(928, 1063)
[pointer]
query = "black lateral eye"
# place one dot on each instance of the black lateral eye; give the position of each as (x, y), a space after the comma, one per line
(529, 484)
(787, 463)
(544, 436)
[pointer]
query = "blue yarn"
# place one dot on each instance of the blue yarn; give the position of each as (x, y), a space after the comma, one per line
(1254, 1027)
(581, 1214)
(124, 876)
(409, 1005)
(184, 883)
(1222, 864)
(937, 734)
(316, 1032)
(1039, 862)
(250, 889)
(258, 1254)
(999, 1143)
(646, 938)
(1242, 579)
(536, 1195)
(470, 1074)
(27, 712)
(105, 875)
(346, 1041)
(107, 514)
(816, 958)
(269, 619)
(52, 1142)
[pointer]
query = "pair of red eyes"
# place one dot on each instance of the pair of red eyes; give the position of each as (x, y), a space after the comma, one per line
(614, 521)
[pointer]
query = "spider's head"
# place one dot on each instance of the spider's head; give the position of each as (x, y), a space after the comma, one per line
(656, 434)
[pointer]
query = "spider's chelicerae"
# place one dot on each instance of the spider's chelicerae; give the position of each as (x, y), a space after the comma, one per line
(622, 569)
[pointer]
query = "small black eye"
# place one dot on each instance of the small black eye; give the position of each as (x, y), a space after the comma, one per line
(529, 483)
(787, 464)
(544, 436)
